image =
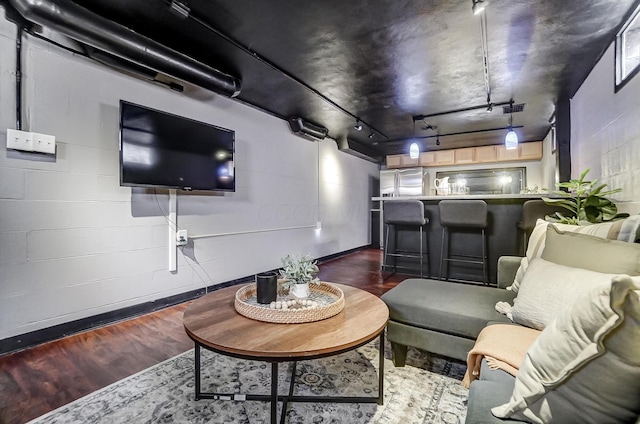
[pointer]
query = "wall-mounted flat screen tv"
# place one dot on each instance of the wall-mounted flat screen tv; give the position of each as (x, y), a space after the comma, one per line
(162, 150)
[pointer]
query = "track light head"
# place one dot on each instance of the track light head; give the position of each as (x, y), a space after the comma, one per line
(357, 126)
(371, 134)
(438, 140)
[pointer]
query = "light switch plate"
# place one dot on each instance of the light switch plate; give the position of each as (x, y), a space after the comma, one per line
(19, 140)
(44, 143)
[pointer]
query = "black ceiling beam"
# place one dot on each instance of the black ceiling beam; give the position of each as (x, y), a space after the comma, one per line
(464, 109)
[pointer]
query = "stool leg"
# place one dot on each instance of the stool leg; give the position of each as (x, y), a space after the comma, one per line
(442, 259)
(421, 254)
(386, 247)
(484, 258)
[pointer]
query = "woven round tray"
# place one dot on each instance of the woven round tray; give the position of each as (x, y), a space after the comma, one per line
(329, 298)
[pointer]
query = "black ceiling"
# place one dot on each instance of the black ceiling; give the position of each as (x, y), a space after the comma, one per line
(386, 61)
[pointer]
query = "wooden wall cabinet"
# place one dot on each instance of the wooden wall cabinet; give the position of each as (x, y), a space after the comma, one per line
(530, 151)
(401, 161)
(466, 155)
(469, 155)
(525, 151)
(445, 157)
(486, 154)
(504, 155)
(427, 159)
(393, 161)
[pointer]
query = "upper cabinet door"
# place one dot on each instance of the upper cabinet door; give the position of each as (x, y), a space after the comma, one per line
(486, 154)
(530, 151)
(445, 157)
(467, 155)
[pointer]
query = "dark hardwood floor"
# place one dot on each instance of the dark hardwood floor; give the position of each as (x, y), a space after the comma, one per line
(42, 378)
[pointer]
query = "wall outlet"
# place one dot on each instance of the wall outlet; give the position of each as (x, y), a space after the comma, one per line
(44, 143)
(19, 140)
(181, 237)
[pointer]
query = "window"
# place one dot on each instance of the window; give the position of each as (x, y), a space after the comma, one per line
(628, 50)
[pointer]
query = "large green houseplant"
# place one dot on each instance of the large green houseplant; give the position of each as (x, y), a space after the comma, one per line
(586, 201)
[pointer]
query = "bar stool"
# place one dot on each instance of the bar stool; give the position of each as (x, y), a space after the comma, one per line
(467, 214)
(532, 210)
(407, 213)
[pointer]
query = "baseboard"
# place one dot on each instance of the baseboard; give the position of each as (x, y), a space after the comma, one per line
(34, 338)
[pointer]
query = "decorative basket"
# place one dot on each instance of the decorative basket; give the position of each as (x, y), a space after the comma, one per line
(330, 300)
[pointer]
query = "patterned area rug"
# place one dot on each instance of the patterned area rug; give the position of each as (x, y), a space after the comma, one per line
(427, 390)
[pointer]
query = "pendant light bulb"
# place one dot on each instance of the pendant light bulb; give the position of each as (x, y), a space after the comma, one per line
(414, 151)
(511, 140)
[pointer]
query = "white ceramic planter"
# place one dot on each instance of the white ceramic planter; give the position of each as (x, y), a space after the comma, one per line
(301, 291)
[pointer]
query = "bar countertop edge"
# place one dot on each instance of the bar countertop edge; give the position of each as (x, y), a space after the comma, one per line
(465, 196)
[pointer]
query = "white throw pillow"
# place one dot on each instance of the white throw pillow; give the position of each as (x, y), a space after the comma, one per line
(547, 288)
(585, 366)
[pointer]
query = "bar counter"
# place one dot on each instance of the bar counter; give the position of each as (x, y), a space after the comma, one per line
(503, 237)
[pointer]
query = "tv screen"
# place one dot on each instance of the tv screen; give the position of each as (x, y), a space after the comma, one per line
(159, 149)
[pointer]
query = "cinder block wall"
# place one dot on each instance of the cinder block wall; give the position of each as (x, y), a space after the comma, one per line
(74, 244)
(605, 131)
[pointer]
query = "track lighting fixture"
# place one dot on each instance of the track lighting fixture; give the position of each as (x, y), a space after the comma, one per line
(357, 126)
(371, 134)
(438, 139)
(478, 6)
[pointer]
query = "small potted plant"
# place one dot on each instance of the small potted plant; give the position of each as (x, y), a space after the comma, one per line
(298, 272)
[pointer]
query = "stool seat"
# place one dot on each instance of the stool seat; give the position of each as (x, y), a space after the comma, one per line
(466, 214)
(404, 212)
(463, 213)
(532, 210)
(408, 213)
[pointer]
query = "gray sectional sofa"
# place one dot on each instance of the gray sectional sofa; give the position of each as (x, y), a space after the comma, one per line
(445, 318)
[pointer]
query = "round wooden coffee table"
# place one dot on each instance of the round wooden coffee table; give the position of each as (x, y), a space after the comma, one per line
(213, 323)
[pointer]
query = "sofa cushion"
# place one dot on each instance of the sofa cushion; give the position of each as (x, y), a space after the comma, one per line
(547, 288)
(484, 395)
(497, 375)
(537, 240)
(451, 308)
(585, 365)
(589, 252)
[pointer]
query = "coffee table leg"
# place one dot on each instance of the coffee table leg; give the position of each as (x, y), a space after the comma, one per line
(381, 371)
(197, 370)
(274, 392)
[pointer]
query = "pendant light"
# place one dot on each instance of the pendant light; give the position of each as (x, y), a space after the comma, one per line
(511, 139)
(414, 151)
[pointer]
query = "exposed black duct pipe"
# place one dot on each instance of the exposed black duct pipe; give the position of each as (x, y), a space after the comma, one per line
(129, 67)
(19, 78)
(89, 28)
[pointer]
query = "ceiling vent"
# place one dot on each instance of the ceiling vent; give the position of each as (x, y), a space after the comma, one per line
(512, 108)
(301, 127)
